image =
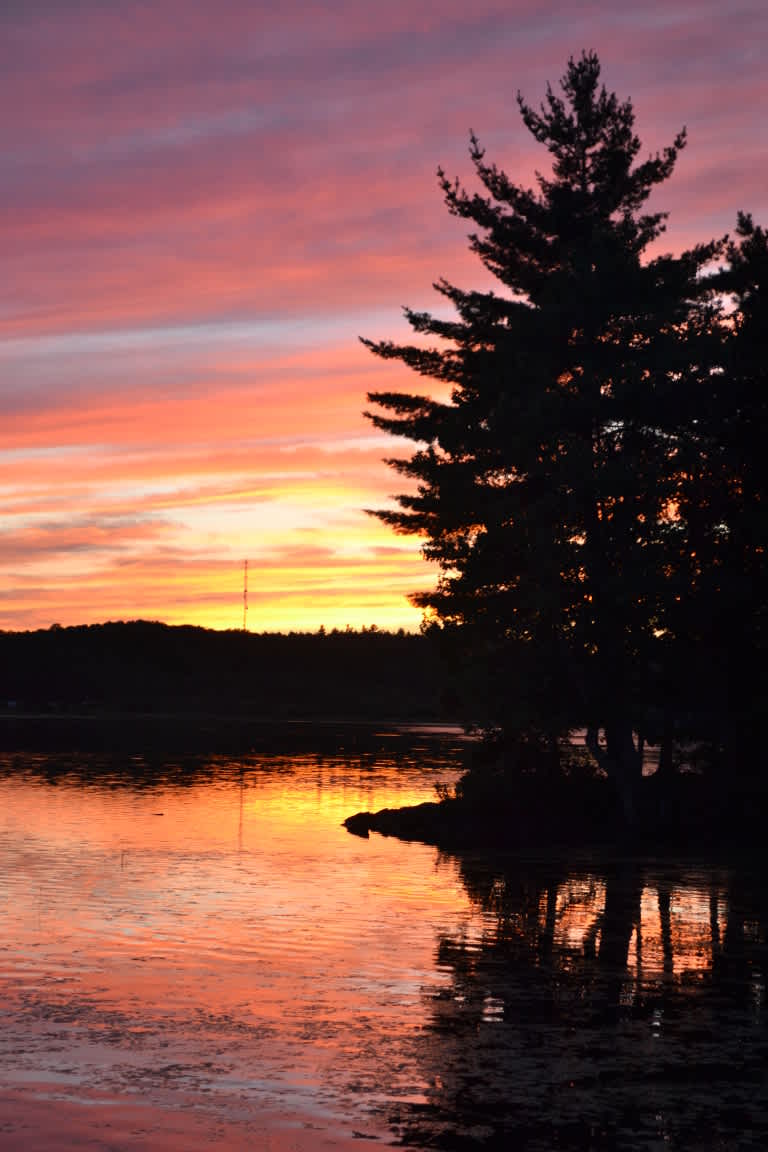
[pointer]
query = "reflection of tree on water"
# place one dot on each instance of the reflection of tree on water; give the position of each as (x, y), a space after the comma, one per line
(620, 1009)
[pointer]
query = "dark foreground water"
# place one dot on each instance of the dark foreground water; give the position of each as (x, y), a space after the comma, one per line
(199, 956)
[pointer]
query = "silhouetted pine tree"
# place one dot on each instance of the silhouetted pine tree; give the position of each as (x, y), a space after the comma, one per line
(725, 502)
(545, 486)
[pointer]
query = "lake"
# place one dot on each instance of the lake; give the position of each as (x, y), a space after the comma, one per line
(196, 954)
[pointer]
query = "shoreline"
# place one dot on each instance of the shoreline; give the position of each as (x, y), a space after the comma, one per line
(201, 732)
(684, 816)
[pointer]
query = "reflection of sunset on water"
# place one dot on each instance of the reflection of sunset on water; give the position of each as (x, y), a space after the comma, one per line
(611, 1009)
(684, 939)
(199, 923)
(579, 903)
(677, 932)
(207, 934)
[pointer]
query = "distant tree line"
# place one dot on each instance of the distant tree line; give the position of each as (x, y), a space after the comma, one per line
(592, 478)
(144, 666)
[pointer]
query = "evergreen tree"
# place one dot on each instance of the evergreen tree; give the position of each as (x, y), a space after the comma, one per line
(745, 433)
(725, 505)
(545, 486)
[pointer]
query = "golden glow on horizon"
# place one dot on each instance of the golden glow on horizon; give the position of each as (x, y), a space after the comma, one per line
(158, 527)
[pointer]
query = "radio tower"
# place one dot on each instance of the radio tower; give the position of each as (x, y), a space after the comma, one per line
(245, 595)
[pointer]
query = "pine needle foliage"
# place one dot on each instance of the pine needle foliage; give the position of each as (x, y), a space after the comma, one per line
(546, 486)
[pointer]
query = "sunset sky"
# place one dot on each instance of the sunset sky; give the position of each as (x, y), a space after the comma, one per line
(205, 204)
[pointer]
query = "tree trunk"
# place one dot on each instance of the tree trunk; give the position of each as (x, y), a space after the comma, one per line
(592, 742)
(621, 760)
(624, 765)
(666, 751)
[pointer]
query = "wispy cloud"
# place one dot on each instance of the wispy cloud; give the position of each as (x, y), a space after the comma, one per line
(198, 218)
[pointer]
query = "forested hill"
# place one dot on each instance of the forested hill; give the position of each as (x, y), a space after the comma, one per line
(150, 667)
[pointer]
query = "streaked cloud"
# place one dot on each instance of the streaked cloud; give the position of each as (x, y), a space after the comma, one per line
(198, 217)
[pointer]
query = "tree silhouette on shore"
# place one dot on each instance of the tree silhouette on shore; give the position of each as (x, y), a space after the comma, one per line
(576, 490)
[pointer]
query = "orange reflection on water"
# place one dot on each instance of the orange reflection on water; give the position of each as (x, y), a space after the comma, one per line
(579, 904)
(209, 936)
(219, 931)
(675, 929)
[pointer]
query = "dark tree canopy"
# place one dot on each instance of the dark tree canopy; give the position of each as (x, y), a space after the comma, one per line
(555, 487)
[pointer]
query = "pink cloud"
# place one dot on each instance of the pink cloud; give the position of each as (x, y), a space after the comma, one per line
(166, 175)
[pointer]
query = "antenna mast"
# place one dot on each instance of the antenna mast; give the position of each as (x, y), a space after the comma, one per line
(245, 595)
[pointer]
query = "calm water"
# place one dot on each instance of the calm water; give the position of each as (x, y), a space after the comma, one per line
(211, 960)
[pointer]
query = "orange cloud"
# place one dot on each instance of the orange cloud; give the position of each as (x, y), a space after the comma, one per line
(197, 220)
